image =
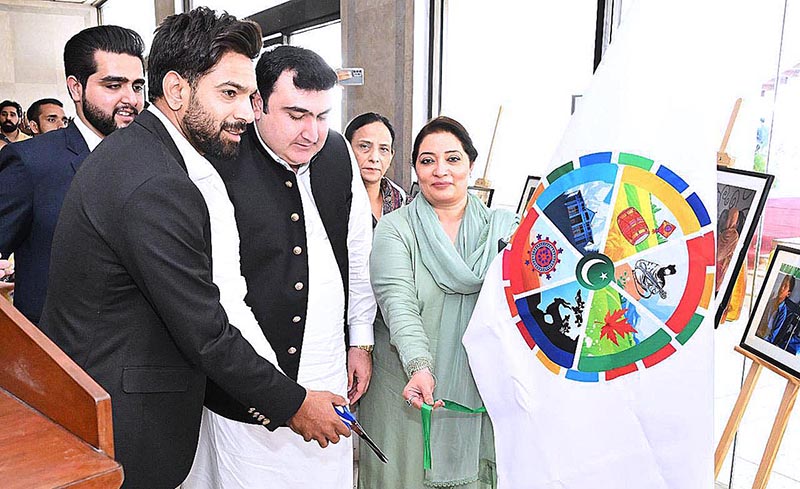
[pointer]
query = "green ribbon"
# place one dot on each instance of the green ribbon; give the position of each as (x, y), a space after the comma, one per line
(427, 409)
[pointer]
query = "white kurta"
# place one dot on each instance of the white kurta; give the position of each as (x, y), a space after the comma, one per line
(239, 455)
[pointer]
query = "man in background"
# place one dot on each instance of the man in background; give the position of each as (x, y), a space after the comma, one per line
(10, 118)
(46, 115)
(105, 79)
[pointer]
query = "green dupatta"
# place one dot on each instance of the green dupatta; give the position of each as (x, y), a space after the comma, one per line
(459, 270)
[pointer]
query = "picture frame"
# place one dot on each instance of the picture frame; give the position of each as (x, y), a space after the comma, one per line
(483, 193)
(741, 197)
(527, 192)
(773, 330)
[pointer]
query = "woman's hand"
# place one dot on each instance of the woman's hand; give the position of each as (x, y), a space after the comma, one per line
(420, 388)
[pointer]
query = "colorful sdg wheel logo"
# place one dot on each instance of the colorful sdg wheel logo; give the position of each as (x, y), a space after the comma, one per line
(611, 269)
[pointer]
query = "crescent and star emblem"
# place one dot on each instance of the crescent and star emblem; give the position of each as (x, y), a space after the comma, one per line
(594, 271)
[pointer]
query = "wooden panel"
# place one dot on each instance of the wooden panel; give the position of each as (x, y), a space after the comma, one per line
(36, 371)
(35, 452)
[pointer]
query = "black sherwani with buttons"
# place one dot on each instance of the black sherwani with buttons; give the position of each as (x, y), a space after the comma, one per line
(269, 215)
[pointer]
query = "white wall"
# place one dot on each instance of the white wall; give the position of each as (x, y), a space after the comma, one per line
(32, 38)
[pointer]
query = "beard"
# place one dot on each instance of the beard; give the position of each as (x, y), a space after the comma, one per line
(8, 127)
(103, 121)
(205, 133)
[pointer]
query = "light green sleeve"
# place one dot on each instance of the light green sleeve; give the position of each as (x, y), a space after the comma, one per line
(392, 274)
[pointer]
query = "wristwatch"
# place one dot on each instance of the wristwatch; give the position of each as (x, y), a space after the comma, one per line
(366, 348)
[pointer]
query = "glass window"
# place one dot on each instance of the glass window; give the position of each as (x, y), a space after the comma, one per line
(772, 122)
(493, 58)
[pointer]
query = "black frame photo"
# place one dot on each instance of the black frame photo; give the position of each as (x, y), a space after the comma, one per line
(527, 193)
(741, 196)
(773, 330)
(483, 193)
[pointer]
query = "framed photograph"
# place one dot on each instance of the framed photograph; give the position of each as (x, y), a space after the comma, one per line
(773, 331)
(527, 193)
(741, 196)
(483, 193)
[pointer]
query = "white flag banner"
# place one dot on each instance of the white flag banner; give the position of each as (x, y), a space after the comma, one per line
(592, 340)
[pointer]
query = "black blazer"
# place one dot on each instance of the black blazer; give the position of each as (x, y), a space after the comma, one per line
(132, 301)
(34, 177)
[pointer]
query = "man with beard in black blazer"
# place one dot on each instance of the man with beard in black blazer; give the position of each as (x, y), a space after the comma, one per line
(132, 298)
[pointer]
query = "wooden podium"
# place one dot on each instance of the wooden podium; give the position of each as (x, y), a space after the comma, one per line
(55, 421)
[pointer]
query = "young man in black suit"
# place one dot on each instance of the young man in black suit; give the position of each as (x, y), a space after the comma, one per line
(105, 78)
(132, 298)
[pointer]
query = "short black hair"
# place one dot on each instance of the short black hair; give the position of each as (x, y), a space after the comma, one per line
(79, 51)
(35, 110)
(11, 103)
(448, 125)
(311, 72)
(192, 43)
(364, 119)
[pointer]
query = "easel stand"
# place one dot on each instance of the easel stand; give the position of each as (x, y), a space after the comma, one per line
(778, 427)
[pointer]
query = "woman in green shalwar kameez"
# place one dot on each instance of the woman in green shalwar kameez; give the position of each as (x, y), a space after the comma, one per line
(428, 262)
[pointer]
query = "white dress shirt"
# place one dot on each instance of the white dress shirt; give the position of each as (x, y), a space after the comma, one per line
(91, 138)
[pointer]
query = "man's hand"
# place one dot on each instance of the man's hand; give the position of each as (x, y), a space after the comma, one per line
(317, 420)
(6, 268)
(359, 373)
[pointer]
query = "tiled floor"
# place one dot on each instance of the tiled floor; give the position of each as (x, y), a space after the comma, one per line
(758, 418)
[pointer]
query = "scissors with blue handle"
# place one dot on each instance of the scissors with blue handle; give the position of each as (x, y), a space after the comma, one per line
(355, 427)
